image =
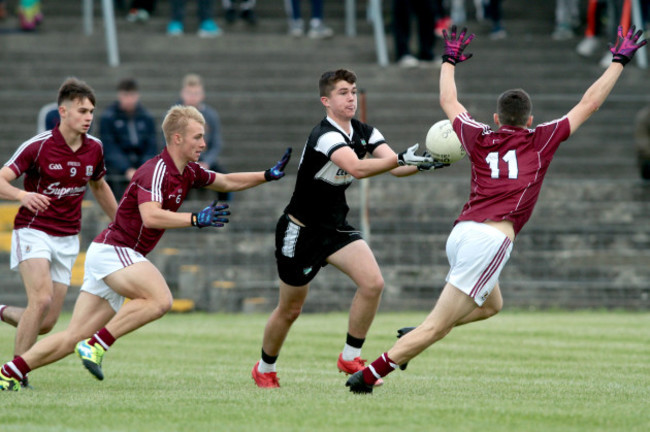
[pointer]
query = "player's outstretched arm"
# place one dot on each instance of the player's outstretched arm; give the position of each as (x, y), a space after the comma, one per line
(452, 55)
(233, 182)
(622, 52)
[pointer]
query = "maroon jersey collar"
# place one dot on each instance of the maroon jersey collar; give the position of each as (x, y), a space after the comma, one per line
(171, 166)
(59, 140)
(511, 129)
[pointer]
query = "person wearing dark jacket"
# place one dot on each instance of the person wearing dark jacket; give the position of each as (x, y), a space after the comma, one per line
(128, 132)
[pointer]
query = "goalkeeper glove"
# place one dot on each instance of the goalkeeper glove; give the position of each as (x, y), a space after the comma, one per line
(277, 172)
(408, 157)
(454, 46)
(625, 46)
(212, 215)
(436, 164)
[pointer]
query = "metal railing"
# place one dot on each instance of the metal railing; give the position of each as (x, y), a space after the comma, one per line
(108, 12)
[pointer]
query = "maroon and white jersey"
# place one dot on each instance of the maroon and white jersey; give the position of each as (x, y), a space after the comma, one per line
(51, 168)
(508, 167)
(157, 180)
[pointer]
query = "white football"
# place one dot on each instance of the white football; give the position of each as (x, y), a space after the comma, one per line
(443, 143)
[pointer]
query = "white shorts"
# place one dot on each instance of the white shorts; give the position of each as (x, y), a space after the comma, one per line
(477, 253)
(102, 260)
(61, 252)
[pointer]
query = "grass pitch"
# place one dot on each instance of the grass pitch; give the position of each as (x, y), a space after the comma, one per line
(519, 371)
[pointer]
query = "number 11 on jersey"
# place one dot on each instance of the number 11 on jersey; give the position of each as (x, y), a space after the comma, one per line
(510, 158)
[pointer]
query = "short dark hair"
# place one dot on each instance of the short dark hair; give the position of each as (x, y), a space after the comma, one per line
(72, 89)
(128, 85)
(514, 107)
(329, 79)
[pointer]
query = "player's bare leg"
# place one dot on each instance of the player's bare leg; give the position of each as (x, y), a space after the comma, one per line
(12, 314)
(492, 306)
(290, 302)
(150, 297)
(452, 306)
(40, 299)
(89, 315)
(358, 262)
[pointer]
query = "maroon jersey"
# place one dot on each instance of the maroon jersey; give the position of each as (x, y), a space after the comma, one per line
(51, 168)
(508, 167)
(157, 180)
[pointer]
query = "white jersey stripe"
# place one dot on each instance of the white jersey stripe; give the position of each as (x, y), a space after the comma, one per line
(156, 186)
(40, 137)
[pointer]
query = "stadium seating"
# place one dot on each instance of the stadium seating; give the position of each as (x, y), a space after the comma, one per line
(586, 245)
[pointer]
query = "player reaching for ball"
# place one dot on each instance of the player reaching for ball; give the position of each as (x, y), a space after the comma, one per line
(508, 167)
(313, 231)
(116, 267)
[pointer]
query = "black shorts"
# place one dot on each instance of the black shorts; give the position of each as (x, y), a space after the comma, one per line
(300, 252)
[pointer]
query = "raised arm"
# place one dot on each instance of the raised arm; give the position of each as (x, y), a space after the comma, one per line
(243, 180)
(622, 52)
(453, 54)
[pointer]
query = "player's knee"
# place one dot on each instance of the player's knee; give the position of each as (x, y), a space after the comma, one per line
(162, 307)
(373, 287)
(41, 303)
(47, 326)
(290, 313)
(492, 307)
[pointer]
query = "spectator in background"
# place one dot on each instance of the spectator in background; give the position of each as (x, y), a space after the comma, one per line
(128, 132)
(493, 12)
(140, 10)
(193, 94)
(642, 141)
(207, 25)
(403, 12)
(567, 17)
(3, 10)
(246, 11)
(29, 14)
(317, 29)
(603, 18)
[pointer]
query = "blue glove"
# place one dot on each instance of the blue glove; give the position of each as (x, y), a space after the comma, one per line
(277, 172)
(211, 216)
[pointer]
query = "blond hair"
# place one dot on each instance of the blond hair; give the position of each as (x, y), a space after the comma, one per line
(177, 119)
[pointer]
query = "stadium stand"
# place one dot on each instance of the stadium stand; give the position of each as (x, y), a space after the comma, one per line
(586, 246)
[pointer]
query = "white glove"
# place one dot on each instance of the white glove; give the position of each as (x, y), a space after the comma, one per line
(408, 157)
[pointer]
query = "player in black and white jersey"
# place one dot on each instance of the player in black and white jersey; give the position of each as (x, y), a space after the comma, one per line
(313, 230)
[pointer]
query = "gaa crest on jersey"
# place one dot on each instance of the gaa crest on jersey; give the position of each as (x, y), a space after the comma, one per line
(89, 170)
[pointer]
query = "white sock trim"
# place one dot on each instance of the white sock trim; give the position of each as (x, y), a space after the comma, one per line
(263, 367)
(15, 370)
(349, 353)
